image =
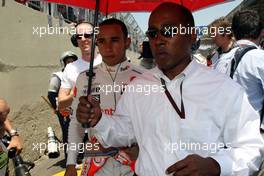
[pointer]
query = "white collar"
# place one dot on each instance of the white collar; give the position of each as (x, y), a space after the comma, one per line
(191, 67)
(123, 66)
(245, 42)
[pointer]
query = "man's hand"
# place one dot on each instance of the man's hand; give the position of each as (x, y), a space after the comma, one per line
(195, 165)
(88, 111)
(4, 110)
(65, 98)
(15, 143)
(71, 171)
(65, 112)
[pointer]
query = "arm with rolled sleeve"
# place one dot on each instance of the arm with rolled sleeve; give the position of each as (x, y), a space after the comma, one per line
(244, 152)
(65, 97)
(117, 131)
(65, 81)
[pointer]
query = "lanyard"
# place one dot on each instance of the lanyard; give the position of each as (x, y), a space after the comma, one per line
(181, 112)
(113, 79)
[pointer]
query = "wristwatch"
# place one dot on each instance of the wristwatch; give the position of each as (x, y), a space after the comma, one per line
(13, 132)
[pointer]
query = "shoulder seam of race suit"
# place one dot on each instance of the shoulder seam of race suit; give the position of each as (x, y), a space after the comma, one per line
(136, 71)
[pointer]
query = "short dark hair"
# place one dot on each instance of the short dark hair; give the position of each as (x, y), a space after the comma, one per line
(187, 16)
(246, 24)
(117, 22)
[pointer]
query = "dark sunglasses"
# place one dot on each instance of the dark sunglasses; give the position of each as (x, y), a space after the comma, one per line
(79, 36)
(166, 31)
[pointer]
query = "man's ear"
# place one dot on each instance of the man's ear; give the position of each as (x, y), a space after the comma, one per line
(128, 42)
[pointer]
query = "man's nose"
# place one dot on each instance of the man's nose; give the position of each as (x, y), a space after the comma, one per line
(159, 40)
(108, 46)
(83, 38)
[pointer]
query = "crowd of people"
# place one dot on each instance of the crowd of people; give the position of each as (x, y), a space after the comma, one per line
(240, 56)
(196, 120)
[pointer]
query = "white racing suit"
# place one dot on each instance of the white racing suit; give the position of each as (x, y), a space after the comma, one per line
(108, 90)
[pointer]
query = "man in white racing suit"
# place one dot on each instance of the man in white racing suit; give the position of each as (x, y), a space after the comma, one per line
(110, 80)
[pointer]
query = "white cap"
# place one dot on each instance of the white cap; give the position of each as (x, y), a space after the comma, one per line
(68, 54)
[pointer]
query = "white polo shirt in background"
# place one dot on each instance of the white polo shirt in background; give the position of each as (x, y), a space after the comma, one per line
(250, 75)
(223, 63)
(72, 70)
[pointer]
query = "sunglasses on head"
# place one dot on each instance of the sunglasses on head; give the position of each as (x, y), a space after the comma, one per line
(166, 31)
(79, 36)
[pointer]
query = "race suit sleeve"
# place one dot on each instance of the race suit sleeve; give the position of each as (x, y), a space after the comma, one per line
(75, 136)
(76, 132)
(116, 131)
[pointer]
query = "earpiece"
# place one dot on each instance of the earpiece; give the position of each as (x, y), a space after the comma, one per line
(74, 40)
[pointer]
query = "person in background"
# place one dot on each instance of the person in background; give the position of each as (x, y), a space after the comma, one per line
(249, 71)
(146, 57)
(83, 40)
(6, 126)
(53, 91)
(223, 38)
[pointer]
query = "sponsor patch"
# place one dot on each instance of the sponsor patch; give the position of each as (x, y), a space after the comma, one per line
(131, 78)
(124, 68)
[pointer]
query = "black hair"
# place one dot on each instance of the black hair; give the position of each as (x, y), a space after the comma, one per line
(246, 24)
(261, 43)
(187, 16)
(117, 22)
